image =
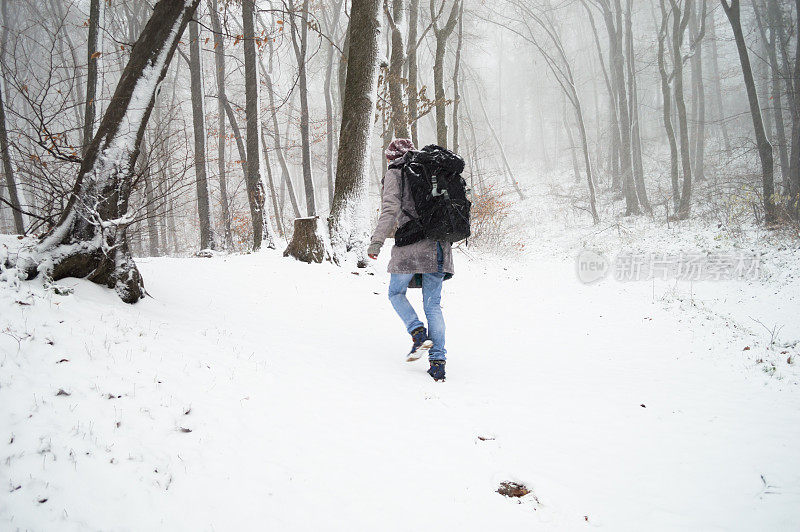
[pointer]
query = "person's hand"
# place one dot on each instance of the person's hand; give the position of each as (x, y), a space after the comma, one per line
(373, 250)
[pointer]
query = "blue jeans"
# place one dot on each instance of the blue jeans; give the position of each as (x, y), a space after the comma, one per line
(431, 302)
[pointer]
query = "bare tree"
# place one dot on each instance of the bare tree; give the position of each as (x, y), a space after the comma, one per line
(300, 51)
(716, 83)
(395, 18)
(612, 16)
(442, 34)
(8, 169)
(276, 133)
(633, 93)
(666, 96)
(89, 239)
(697, 25)
(333, 29)
(255, 187)
(222, 98)
(680, 20)
(413, 20)
(207, 240)
(456, 67)
(732, 10)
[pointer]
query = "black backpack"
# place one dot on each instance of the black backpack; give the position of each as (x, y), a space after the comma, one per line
(440, 196)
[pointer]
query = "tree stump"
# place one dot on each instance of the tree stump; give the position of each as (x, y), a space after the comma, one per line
(309, 243)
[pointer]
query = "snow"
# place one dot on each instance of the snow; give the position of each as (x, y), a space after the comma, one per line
(623, 406)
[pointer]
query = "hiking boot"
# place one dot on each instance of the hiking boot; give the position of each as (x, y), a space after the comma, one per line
(421, 344)
(437, 370)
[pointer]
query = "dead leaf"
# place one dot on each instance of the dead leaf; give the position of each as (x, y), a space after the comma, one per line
(512, 489)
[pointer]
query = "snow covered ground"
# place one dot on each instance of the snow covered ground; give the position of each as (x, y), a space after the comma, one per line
(254, 392)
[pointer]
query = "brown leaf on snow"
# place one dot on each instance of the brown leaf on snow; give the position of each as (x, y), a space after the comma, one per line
(746, 348)
(62, 392)
(512, 489)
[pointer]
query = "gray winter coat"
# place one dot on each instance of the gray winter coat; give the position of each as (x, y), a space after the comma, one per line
(419, 257)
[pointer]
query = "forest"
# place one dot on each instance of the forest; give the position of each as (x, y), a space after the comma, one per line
(188, 193)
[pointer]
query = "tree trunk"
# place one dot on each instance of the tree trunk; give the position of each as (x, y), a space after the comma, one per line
(456, 95)
(717, 85)
(699, 94)
(666, 95)
(771, 47)
(8, 169)
(198, 123)
(413, 18)
(272, 191)
(349, 219)
(613, 145)
(587, 161)
(329, 167)
(572, 148)
(614, 26)
(636, 139)
(342, 70)
(89, 239)
(395, 77)
(219, 59)
(300, 53)
(255, 188)
(764, 147)
(91, 73)
(679, 22)
(773, 16)
(442, 34)
(150, 201)
(308, 243)
(276, 133)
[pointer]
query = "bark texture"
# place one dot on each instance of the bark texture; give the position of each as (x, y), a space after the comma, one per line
(348, 219)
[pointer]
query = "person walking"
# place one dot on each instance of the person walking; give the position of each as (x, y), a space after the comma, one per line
(426, 264)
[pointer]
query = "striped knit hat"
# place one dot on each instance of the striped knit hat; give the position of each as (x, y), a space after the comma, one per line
(398, 148)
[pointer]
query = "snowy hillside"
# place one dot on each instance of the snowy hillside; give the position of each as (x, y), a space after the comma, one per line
(255, 392)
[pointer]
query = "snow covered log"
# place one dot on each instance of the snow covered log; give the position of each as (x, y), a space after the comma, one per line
(89, 239)
(309, 243)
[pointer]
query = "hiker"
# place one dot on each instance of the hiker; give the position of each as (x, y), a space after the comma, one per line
(426, 263)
